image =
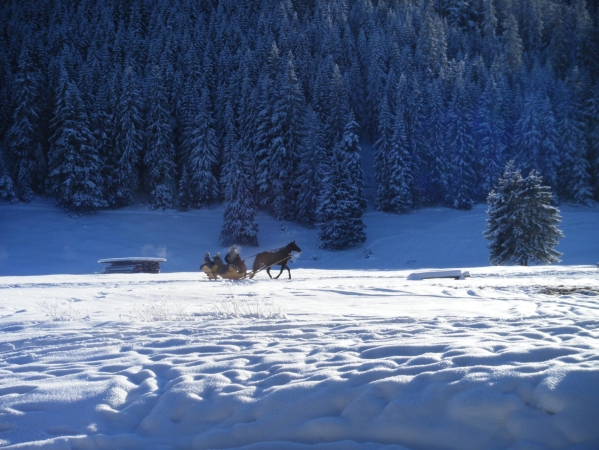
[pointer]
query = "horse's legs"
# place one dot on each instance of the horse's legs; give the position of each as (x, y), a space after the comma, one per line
(282, 267)
(289, 271)
(268, 272)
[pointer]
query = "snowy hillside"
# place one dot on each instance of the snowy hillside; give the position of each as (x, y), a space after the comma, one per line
(348, 354)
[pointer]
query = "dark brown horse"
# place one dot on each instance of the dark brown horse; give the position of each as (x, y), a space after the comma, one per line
(278, 257)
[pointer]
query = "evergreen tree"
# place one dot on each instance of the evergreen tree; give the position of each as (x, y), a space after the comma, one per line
(310, 169)
(129, 136)
(462, 194)
(74, 164)
(490, 136)
(382, 152)
(159, 157)
(350, 146)
(284, 151)
(264, 137)
(7, 187)
(522, 224)
(102, 124)
(574, 173)
(239, 226)
(23, 139)
(375, 76)
(489, 28)
(513, 44)
(535, 136)
(341, 204)
(202, 147)
(431, 175)
(591, 115)
(184, 198)
(400, 167)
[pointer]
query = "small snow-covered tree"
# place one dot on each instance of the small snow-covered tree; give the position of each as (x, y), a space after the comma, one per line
(522, 224)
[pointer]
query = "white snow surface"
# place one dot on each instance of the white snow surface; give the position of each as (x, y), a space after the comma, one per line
(348, 354)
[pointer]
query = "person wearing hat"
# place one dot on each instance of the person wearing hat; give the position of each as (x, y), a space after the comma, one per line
(233, 258)
(219, 262)
(207, 261)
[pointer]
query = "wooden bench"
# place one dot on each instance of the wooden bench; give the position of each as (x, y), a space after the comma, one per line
(135, 264)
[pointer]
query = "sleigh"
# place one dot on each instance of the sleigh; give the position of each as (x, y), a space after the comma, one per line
(228, 272)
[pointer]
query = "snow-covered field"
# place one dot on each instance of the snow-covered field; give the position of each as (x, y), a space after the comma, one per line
(348, 354)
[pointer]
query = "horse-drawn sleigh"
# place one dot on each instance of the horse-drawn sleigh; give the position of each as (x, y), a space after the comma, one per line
(235, 268)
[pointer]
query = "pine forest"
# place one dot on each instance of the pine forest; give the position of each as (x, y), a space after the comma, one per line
(267, 104)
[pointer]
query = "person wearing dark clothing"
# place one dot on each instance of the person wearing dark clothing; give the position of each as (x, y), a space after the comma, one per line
(233, 258)
(207, 261)
(219, 262)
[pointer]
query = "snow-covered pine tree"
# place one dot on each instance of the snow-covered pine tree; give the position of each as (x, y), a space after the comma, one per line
(341, 204)
(239, 226)
(102, 124)
(264, 137)
(462, 194)
(400, 167)
(432, 172)
(24, 136)
(310, 169)
(535, 136)
(382, 151)
(522, 224)
(375, 75)
(350, 145)
(490, 136)
(431, 45)
(513, 43)
(159, 157)
(574, 171)
(129, 135)
(284, 151)
(490, 44)
(184, 191)
(74, 164)
(202, 147)
(591, 115)
(540, 223)
(337, 109)
(7, 187)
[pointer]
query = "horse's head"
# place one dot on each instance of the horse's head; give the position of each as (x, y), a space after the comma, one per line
(293, 247)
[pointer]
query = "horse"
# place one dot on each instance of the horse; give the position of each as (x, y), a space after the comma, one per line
(278, 257)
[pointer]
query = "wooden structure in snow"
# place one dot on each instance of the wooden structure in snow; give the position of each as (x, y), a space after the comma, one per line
(135, 264)
(455, 274)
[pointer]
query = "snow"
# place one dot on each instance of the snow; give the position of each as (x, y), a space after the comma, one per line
(131, 258)
(348, 354)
